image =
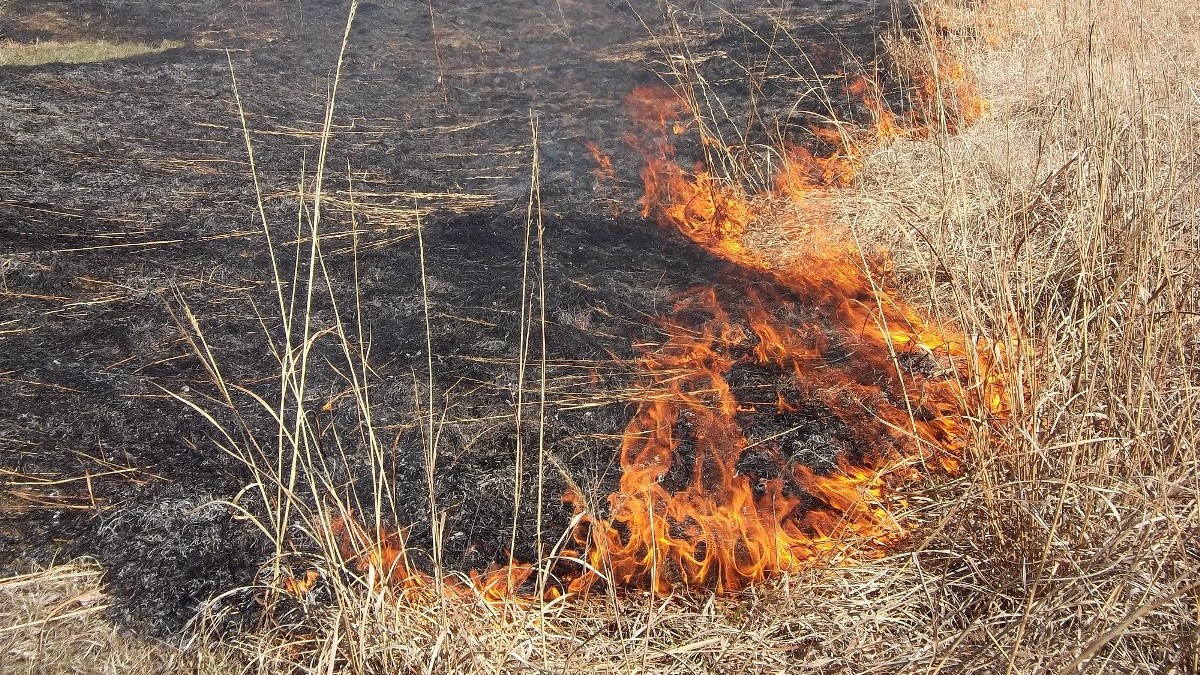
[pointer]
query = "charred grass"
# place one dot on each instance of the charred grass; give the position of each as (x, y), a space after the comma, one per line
(1064, 223)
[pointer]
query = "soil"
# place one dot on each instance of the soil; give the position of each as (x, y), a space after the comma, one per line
(127, 193)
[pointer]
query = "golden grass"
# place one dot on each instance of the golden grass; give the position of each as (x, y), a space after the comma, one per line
(1065, 225)
(76, 51)
(52, 621)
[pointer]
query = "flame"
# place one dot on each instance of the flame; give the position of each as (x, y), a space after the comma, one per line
(844, 352)
(945, 92)
(300, 587)
(726, 527)
(886, 125)
(604, 171)
(383, 559)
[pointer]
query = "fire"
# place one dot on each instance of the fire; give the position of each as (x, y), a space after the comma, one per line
(728, 527)
(300, 587)
(382, 557)
(945, 93)
(886, 125)
(705, 498)
(604, 171)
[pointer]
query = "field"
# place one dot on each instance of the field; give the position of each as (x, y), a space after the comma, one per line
(339, 340)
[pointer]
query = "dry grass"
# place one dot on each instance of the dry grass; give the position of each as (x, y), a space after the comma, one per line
(1065, 223)
(75, 51)
(52, 622)
(1067, 219)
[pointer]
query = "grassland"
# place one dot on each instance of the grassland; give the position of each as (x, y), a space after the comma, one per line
(1065, 222)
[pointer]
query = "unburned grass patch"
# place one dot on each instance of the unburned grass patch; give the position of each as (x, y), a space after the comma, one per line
(76, 51)
(52, 621)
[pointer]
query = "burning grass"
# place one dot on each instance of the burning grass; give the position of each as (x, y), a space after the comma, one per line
(1036, 489)
(1040, 483)
(1049, 487)
(891, 388)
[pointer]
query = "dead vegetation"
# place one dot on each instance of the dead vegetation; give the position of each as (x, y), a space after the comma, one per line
(52, 622)
(51, 35)
(78, 51)
(1065, 223)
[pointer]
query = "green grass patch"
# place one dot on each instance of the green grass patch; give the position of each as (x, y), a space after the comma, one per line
(79, 51)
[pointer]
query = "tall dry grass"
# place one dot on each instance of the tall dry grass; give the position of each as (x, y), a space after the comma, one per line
(1067, 219)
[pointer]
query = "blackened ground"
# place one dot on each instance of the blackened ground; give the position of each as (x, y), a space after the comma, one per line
(123, 182)
(606, 282)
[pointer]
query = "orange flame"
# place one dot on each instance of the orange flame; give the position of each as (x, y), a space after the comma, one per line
(604, 171)
(687, 512)
(300, 587)
(726, 528)
(945, 92)
(384, 559)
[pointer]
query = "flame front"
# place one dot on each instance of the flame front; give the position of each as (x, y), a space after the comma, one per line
(726, 528)
(894, 384)
(704, 499)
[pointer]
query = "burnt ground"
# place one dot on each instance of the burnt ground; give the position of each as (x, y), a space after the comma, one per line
(122, 183)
